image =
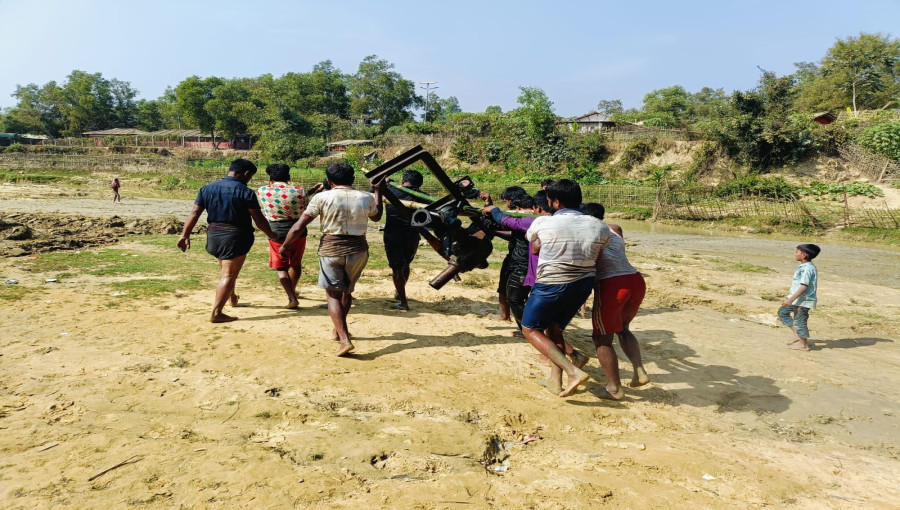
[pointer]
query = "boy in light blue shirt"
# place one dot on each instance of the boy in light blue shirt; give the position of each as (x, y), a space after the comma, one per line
(794, 311)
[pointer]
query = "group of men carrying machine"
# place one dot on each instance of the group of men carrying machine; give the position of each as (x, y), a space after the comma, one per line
(560, 251)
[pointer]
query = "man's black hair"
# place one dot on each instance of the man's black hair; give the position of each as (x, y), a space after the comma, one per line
(540, 200)
(279, 172)
(413, 177)
(523, 202)
(593, 209)
(546, 182)
(241, 166)
(513, 192)
(340, 173)
(568, 193)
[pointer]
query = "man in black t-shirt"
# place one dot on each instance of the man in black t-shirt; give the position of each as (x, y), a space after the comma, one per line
(230, 205)
(401, 241)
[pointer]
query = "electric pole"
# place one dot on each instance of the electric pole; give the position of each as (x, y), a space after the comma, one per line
(428, 88)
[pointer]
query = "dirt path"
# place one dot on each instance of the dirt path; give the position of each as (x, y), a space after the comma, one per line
(258, 414)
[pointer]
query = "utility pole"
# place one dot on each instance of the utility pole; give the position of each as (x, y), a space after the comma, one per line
(428, 88)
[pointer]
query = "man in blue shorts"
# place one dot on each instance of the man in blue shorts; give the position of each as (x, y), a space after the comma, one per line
(229, 206)
(567, 243)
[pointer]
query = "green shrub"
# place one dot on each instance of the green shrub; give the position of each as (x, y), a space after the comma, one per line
(16, 147)
(464, 149)
(883, 139)
(835, 191)
(635, 154)
(754, 185)
(588, 148)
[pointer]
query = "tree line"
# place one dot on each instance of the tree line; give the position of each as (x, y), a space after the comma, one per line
(291, 116)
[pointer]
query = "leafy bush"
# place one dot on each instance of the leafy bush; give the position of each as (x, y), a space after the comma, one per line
(883, 139)
(635, 154)
(464, 149)
(587, 148)
(169, 183)
(835, 191)
(16, 147)
(755, 185)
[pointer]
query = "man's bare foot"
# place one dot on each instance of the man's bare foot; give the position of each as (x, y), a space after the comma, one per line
(554, 385)
(400, 306)
(578, 359)
(220, 318)
(345, 349)
(574, 381)
(640, 378)
(518, 334)
(799, 346)
(793, 341)
(543, 360)
(235, 301)
(605, 394)
(336, 338)
(292, 304)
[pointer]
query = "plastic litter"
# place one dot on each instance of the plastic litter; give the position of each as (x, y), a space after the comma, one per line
(51, 280)
(709, 477)
(11, 282)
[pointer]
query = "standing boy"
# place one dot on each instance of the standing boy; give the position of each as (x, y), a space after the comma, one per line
(794, 311)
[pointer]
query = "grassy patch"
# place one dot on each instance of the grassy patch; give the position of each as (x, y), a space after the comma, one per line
(878, 235)
(744, 267)
(154, 287)
(12, 292)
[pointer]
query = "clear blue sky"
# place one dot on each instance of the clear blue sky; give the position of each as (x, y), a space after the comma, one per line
(479, 51)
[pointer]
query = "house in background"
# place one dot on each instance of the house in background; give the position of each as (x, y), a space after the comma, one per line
(824, 118)
(593, 121)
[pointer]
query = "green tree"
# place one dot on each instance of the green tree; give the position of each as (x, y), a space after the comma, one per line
(233, 108)
(148, 116)
(610, 106)
(493, 110)
(535, 114)
(191, 96)
(668, 107)
(379, 94)
(864, 69)
(36, 110)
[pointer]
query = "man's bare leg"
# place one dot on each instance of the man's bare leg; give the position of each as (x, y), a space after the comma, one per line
(610, 364)
(400, 277)
(294, 273)
(284, 278)
(336, 303)
(548, 348)
(504, 308)
(225, 289)
(632, 349)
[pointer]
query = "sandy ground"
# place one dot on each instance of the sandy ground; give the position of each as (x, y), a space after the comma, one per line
(440, 407)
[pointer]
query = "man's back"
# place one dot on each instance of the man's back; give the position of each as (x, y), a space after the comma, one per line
(342, 211)
(569, 244)
(228, 200)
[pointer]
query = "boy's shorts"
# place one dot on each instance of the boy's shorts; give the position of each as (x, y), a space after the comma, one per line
(796, 316)
(616, 302)
(294, 259)
(341, 273)
(556, 303)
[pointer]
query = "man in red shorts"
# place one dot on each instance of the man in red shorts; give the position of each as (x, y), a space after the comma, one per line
(618, 293)
(282, 204)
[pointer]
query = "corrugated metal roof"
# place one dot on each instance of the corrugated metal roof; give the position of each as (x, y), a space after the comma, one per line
(351, 142)
(115, 132)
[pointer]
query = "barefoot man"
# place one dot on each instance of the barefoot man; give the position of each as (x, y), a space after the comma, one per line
(618, 293)
(567, 243)
(343, 251)
(229, 206)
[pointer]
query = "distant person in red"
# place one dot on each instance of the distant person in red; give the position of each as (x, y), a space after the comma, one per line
(229, 206)
(114, 186)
